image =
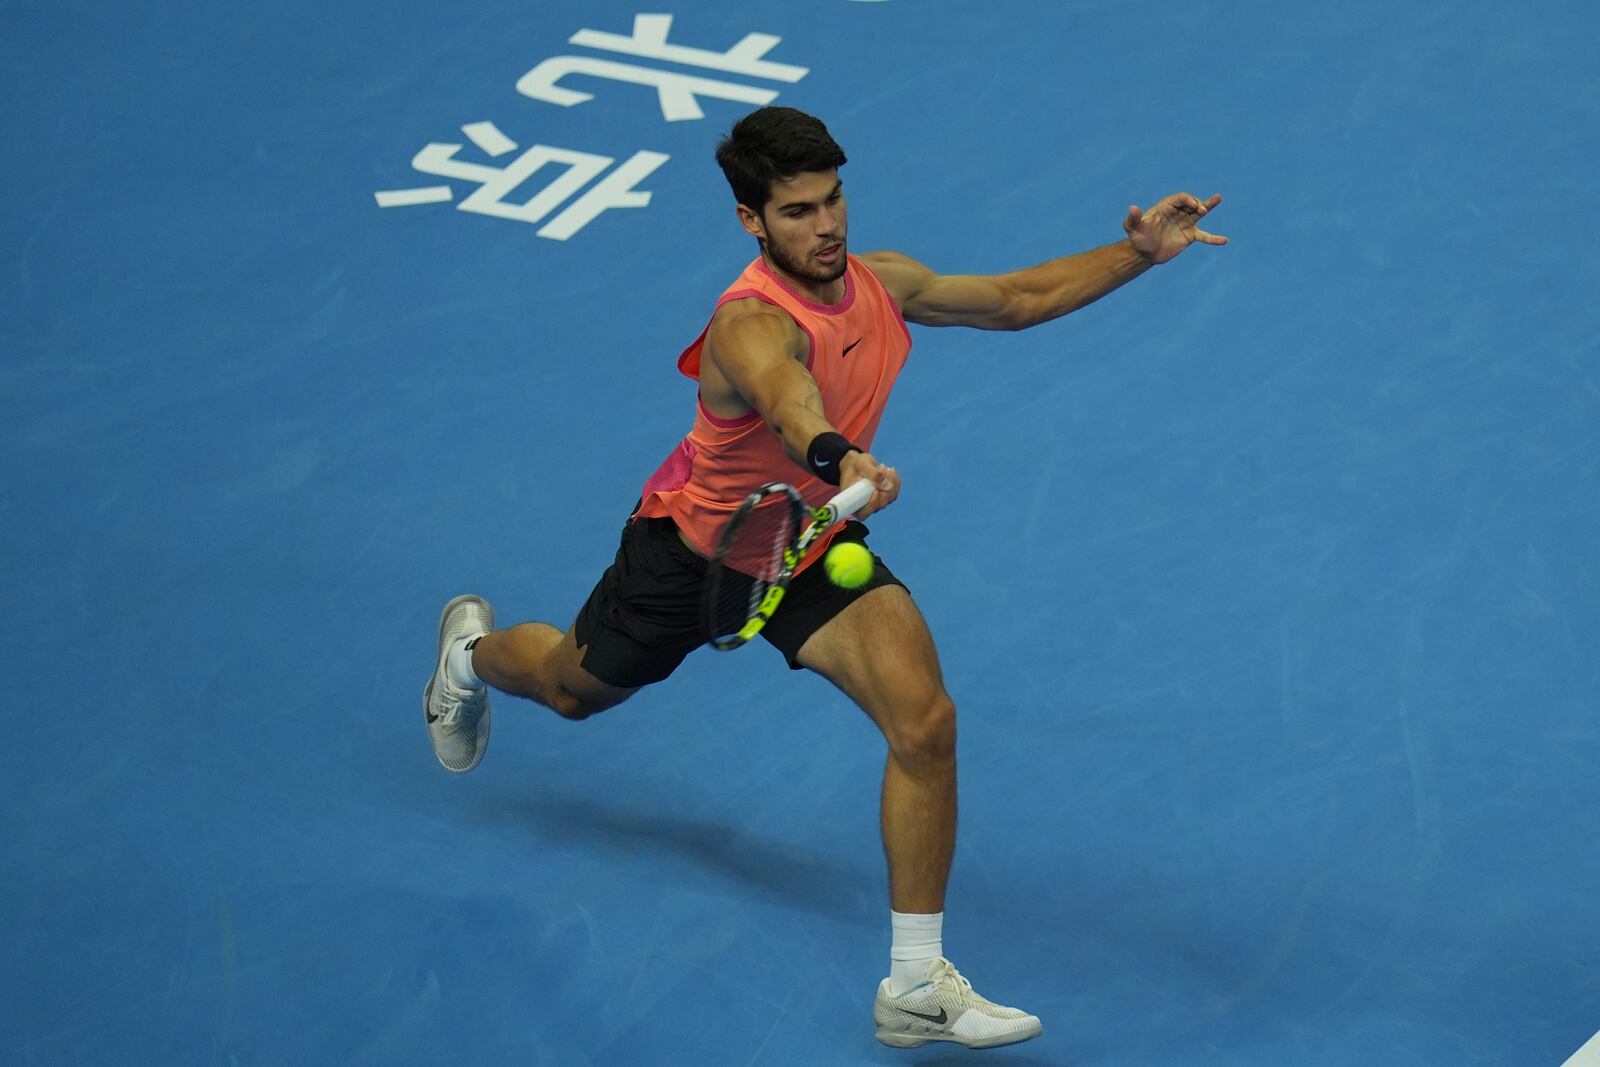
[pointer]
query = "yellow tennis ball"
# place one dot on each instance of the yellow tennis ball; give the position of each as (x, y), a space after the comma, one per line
(849, 564)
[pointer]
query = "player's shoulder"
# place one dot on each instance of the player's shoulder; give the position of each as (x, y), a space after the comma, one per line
(747, 321)
(887, 259)
(743, 308)
(898, 272)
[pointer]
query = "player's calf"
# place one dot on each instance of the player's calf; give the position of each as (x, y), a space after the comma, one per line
(540, 663)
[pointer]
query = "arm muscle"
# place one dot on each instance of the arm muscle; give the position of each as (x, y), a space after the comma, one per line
(755, 352)
(1011, 301)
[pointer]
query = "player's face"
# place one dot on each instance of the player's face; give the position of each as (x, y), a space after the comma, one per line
(803, 226)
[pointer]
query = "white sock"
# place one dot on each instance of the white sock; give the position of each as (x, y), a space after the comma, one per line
(458, 664)
(918, 942)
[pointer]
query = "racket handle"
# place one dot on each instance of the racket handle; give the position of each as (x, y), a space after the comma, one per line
(851, 500)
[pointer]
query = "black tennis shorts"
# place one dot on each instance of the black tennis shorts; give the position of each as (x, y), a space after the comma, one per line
(646, 613)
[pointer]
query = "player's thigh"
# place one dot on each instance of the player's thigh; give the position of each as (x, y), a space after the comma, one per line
(880, 653)
(643, 617)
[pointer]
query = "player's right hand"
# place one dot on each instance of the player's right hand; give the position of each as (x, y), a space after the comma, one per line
(885, 480)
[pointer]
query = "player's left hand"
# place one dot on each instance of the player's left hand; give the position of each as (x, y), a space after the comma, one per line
(1170, 226)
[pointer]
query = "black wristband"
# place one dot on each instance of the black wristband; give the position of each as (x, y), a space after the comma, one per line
(825, 452)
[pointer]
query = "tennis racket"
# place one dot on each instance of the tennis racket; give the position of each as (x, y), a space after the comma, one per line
(760, 549)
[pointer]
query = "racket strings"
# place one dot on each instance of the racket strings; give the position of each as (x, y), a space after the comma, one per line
(751, 563)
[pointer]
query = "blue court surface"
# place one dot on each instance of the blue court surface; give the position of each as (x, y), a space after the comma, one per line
(1268, 587)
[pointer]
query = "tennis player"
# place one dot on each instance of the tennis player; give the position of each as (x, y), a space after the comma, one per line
(794, 370)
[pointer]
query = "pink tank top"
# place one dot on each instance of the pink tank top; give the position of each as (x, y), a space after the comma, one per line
(857, 349)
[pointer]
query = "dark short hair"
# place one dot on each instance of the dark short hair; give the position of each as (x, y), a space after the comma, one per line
(772, 144)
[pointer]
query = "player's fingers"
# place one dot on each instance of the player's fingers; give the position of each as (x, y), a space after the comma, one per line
(888, 488)
(1210, 238)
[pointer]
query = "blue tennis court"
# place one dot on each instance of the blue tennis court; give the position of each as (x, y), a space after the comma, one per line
(1268, 587)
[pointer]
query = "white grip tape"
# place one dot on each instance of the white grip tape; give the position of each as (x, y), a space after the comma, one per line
(851, 500)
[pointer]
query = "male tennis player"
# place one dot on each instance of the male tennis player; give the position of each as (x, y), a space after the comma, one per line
(794, 370)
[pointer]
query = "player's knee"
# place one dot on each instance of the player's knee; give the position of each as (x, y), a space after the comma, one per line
(569, 705)
(572, 707)
(926, 736)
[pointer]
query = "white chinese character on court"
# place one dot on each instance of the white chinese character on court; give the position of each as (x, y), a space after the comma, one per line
(615, 190)
(677, 92)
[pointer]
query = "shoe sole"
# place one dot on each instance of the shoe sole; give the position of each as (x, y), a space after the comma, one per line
(427, 690)
(897, 1040)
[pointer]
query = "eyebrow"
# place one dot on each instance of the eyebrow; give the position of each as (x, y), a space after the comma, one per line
(838, 187)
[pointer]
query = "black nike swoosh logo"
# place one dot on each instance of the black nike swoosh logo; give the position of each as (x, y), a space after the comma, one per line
(851, 345)
(937, 1020)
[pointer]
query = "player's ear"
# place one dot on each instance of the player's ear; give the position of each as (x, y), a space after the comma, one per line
(752, 222)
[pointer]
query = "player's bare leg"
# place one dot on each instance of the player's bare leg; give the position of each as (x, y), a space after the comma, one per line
(543, 664)
(880, 653)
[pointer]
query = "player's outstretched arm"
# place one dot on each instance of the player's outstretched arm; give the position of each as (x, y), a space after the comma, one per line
(756, 354)
(1023, 298)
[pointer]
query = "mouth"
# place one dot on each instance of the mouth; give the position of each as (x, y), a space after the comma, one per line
(830, 253)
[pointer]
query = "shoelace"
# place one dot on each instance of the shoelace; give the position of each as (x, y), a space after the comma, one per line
(946, 969)
(452, 700)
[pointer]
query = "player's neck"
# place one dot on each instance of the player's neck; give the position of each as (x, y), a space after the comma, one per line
(815, 291)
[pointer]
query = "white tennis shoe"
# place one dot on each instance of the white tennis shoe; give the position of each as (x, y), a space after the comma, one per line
(458, 719)
(944, 1008)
